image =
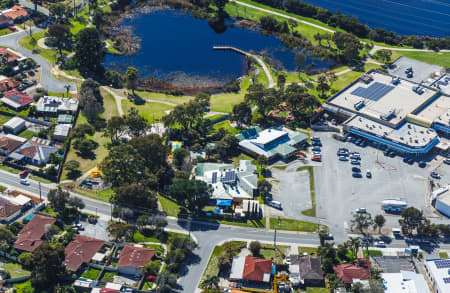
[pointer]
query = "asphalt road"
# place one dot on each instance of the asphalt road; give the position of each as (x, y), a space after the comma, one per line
(47, 80)
(31, 6)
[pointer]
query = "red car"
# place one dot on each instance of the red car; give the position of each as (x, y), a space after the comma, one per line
(13, 28)
(24, 173)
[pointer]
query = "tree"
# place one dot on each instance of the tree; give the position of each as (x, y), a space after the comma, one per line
(255, 248)
(265, 99)
(264, 187)
(322, 84)
(60, 200)
(25, 259)
(342, 251)
(281, 81)
(90, 99)
(72, 166)
(211, 282)
(85, 146)
(136, 195)
(354, 244)
(137, 124)
(261, 160)
(117, 230)
(99, 17)
(179, 155)
(93, 4)
(411, 219)
(362, 221)
(58, 10)
(166, 282)
(348, 46)
(203, 99)
(82, 129)
(152, 268)
(61, 34)
(242, 114)
(115, 128)
(194, 194)
(131, 78)
(300, 60)
(220, 4)
(226, 146)
(384, 55)
(89, 50)
(379, 222)
(47, 266)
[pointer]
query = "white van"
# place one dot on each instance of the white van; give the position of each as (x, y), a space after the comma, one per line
(275, 204)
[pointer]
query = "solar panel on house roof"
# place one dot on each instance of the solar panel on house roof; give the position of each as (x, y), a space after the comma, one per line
(214, 178)
(374, 92)
(443, 264)
(230, 176)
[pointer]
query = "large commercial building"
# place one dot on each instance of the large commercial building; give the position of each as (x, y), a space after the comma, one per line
(388, 111)
(438, 272)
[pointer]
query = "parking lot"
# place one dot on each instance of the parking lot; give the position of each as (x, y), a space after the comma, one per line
(339, 194)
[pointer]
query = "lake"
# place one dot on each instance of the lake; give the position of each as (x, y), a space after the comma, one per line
(405, 17)
(176, 45)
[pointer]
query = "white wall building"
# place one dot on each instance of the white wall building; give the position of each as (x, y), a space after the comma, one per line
(438, 270)
(442, 196)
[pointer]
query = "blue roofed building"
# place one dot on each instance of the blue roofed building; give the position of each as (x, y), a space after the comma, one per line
(273, 143)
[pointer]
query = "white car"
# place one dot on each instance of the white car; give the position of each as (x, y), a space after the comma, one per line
(24, 182)
(361, 211)
(368, 174)
(381, 244)
(288, 260)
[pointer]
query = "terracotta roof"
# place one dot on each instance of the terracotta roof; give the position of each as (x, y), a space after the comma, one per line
(255, 268)
(348, 272)
(8, 83)
(5, 19)
(309, 267)
(29, 152)
(7, 208)
(135, 256)
(16, 12)
(13, 56)
(81, 250)
(108, 290)
(30, 235)
(8, 144)
(18, 97)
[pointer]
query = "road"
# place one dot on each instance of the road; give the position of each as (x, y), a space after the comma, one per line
(47, 80)
(31, 6)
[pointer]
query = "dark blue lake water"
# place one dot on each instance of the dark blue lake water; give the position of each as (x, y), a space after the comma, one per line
(406, 17)
(174, 42)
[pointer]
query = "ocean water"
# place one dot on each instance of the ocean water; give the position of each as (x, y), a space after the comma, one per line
(405, 17)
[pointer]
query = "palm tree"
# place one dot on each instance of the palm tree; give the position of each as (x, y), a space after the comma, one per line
(5, 58)
(211, 282)
(354, 244)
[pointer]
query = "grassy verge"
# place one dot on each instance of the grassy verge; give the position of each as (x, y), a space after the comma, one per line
(443, 254)
(227, 126)
(103, 195)
(5, 31)
(437, 58)
(148, 110)
(372, 253)
(268, 252)
(308, 250)
(170, 207)
(294, 225)
(312, 211)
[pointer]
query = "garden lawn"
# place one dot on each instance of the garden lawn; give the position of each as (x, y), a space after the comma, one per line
(227, 126)
(4, 119)
(91, 274)
(108, 276)
(15, 270)
(308, 250)
(163, 97)
(224, 102)
(148, 110)
(170, 207)
(267, 252)
(27, 134)
(293, 225)
(317, 290)
(372, 253)
(103, 195)
(24, 287)
(5, 31)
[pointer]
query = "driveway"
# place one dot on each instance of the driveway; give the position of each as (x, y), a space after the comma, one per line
(47, 80)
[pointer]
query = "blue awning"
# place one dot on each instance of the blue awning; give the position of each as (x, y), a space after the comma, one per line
(223, 203)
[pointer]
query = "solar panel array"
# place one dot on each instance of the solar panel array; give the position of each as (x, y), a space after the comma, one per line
(16, 99)
(374, 92)
(214, 178)
(446, 280)
(230, 177)
(443, 264)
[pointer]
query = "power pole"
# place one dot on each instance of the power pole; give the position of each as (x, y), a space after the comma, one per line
(275, 246)
(40, 193)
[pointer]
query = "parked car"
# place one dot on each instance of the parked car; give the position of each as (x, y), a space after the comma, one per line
(356, 175)
(422, 164)
(316, 158)
(24, 173)
(355, 157)
(447, 161)
(381, 244)
(316, 148)
(435, 175)
(343, 158)
(356, 169)
(316, 143)
(288, 260)
(368, 174)
(315, 138)
(361, 210)
(275, 204)
(355, 162)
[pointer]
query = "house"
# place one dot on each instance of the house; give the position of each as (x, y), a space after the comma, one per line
(437, 271)
(14, 125)
(251, 269)
(16, 100)
(61, 132)
(7, 83)
(305, 270)
(350, 273)
(133, 259)
(9, 143)
(17, 13)
(52, 106)
(34, 153)
(8, 210)
(9, 56)
(80, 251)
(30, 237)
(272, 143)
(5, 21)
(404, 282)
